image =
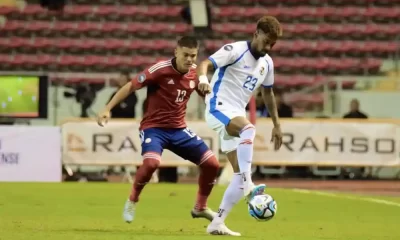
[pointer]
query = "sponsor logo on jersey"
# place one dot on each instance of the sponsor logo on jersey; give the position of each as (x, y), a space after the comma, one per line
(141, 78)
(262, 70)
(228, 47)
(192, 84)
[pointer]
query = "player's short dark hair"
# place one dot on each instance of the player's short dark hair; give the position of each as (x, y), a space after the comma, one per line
(188, 41)
(270, 25)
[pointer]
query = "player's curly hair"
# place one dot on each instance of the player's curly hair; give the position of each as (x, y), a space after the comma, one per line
(270, 25)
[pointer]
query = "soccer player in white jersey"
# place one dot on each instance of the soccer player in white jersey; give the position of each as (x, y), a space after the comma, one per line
(241, 67)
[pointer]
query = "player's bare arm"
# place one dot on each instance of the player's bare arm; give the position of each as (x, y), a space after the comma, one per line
(204, 84)
(122, 93)
(270, 103)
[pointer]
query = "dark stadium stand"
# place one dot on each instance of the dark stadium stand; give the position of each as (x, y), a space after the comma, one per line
(322, 39)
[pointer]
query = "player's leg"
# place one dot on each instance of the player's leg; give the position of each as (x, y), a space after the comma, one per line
(208, 167)
(191, 147)
(219, 121)
(233, 193)
(241, 127)
(153, 142)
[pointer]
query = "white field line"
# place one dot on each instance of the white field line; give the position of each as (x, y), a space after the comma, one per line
(328, 194)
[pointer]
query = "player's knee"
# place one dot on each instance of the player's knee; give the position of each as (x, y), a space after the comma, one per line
(211, 164)
(151, 162)
(247, 134)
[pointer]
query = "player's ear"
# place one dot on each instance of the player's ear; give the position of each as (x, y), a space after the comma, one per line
(176, 52)
(255, 34)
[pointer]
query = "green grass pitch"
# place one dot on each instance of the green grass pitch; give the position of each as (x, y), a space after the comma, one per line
(72, 211)
(19, 95)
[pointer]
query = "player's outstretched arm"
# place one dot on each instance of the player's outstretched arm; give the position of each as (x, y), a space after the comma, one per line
(224, 56)
(202, 69)
(122, 93)
(204, 84)
(270, 103)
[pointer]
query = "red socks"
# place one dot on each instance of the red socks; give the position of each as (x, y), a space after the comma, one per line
(208, 174)
(143, 176)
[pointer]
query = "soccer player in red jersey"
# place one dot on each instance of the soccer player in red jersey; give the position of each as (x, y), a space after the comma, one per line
(169, 86)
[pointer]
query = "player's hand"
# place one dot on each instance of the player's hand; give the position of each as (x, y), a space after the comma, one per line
(205, 88)
(103, 117)
(204, 85)
(276, 137)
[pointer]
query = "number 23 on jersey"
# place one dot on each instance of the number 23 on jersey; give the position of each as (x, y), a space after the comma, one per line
(250, 83)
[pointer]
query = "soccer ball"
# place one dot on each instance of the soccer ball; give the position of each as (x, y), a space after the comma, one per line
(262, 207)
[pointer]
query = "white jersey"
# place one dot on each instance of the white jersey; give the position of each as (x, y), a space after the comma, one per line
(238, 74)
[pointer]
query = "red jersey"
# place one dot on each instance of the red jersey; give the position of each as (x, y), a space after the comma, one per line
(168, 92)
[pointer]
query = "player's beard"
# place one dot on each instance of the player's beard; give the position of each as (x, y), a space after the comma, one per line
(261, 53)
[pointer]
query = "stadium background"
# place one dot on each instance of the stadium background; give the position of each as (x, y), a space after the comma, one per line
(325, 59)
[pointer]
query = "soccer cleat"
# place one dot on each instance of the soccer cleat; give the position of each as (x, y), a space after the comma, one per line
(221, 229)
(129, 211)
(256, 190)
(205, 213)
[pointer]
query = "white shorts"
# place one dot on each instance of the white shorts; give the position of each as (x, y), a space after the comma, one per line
(218, 120)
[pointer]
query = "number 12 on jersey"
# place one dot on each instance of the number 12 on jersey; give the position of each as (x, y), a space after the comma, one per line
(250, 83)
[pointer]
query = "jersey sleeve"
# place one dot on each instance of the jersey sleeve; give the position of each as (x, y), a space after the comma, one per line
(269, 78)
(224, 56)
(149, 76)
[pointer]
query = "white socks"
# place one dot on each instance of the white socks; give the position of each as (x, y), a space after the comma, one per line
(232, 195)
(241, 183)
(245, 156)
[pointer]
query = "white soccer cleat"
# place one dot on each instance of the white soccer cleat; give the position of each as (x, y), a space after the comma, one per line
(221, 229)
(205, 213)
(129, 211)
